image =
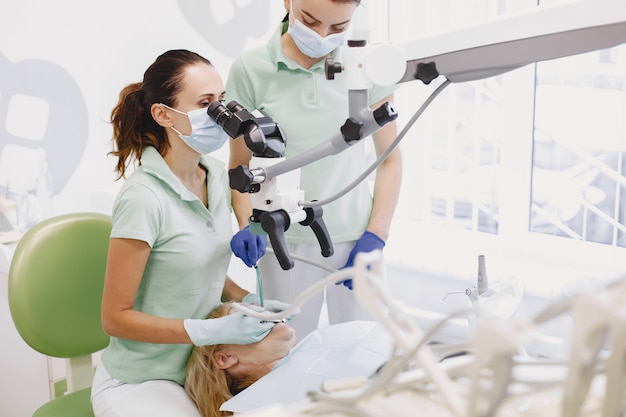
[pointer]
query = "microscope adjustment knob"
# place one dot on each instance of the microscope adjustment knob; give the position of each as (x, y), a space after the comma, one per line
(352, 130)
(426, 72)
(241, 179)
(331, 68)
(385, 114)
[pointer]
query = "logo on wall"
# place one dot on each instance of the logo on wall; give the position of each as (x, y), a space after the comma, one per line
(41, 109)
(226, 25)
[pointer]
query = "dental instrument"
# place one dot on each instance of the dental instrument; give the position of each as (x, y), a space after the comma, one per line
(275, 321)
(501, 299)
(259, 282)
(483, 282)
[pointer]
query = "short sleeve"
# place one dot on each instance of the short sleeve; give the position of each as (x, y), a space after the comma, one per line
(136, 214)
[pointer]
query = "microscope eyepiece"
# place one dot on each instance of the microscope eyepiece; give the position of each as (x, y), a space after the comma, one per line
(218, 112)
(234, 106)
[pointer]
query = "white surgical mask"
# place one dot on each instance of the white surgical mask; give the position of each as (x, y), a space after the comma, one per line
(310, 42)
(206, 135)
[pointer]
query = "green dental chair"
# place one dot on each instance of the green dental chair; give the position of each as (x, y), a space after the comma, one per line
(56, 279)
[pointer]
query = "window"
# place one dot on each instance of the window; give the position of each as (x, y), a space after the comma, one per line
(579, 172)
(527, 167)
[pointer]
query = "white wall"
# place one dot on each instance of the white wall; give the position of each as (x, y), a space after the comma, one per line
(62, 65)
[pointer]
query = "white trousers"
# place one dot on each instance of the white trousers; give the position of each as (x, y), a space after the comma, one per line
(282, 285)
(160, 398)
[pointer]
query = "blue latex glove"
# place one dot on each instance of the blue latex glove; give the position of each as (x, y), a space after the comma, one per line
(235, 328)
(248, 246)
(367, 242)
(271, 305)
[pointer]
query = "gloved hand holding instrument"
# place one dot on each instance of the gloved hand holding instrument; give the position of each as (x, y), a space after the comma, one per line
(248, 246)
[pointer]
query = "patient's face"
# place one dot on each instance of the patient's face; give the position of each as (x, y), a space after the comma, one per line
(275, 346)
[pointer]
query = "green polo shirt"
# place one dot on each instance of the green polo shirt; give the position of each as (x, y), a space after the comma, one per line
(310, 109)
(186, 269)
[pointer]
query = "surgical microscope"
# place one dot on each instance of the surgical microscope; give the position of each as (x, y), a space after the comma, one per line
(489, 49)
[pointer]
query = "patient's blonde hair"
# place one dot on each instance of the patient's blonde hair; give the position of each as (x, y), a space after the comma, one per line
(207, 385)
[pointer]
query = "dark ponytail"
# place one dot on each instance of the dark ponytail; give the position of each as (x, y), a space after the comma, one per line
(133, 125)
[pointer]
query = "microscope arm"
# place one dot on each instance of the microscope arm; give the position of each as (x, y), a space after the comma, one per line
(361, 123)
(509, 42)
(475, 52)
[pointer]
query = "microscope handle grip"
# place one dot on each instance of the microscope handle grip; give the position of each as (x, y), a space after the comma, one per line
(275, 223)
(314, 219)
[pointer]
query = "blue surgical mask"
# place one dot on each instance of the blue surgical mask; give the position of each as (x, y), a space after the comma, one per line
(310, 42)
(206, 135)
